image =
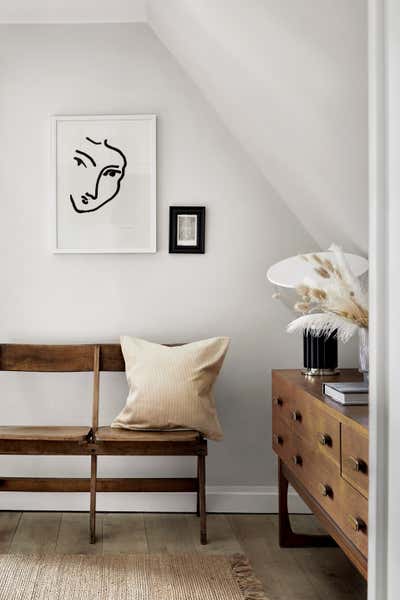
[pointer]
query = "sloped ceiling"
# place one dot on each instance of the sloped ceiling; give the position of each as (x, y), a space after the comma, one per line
(288, 79)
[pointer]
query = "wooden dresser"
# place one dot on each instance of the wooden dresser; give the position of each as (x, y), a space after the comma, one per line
(323, 453)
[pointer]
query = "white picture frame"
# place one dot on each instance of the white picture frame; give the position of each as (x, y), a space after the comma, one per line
(100, 207)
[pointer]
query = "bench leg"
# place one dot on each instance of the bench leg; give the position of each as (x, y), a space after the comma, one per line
(202, 498)
(198, 491)
(93, 481)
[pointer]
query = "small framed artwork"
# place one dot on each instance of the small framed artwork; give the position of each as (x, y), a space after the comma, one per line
(104, 184)
(187, 229)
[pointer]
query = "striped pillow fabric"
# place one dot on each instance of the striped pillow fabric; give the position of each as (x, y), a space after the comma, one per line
(171, 387)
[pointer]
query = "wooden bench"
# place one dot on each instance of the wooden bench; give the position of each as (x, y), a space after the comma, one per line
(91, 439)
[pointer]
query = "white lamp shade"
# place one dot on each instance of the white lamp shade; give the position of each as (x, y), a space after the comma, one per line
(291, 272)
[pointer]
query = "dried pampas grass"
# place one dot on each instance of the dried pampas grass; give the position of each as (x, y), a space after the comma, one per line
(334, 301)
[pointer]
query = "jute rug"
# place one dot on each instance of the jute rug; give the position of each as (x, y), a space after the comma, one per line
(127, 577)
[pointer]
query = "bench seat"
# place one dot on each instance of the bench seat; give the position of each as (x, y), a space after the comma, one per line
(47, 433)
(109, 434)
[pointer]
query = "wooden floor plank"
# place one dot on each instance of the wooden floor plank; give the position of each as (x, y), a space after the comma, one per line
(74, 535)
(8, 526)
(329, 570)
(124, 533)
(283, 578)
(170, 533)
(287, 574)
(221, 539)
(36, 532)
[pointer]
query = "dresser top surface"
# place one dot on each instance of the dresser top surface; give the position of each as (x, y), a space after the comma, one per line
(313, 386)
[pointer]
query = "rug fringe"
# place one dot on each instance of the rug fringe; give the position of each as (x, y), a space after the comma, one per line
(249, 585)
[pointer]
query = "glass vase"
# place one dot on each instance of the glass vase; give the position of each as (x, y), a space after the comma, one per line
(363, 352)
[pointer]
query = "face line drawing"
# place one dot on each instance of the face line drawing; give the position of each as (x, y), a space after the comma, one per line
(87, 156)
(93, 141)
(109, 170)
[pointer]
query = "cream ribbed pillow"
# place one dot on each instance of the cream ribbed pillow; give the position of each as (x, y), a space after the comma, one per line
(170, 387)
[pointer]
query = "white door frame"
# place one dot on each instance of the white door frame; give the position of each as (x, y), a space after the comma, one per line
(378, 259)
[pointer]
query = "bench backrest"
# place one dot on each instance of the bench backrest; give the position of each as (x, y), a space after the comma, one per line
(64, 359)
(60, 358)
(49, 358)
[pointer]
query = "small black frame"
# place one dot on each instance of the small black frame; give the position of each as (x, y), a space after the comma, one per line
(175, 247)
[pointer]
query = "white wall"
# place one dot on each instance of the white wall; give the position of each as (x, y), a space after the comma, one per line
(73, 11)
(289, 79)
(46, 70)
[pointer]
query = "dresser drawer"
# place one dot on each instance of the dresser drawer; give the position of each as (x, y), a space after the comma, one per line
(317, 473)
(301, 460)
(355, 458)
(321, 477)
(313, 424)
(281, 439)
(353, 517)
(282, 398)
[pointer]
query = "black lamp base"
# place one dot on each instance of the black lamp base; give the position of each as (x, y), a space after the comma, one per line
(320, 354)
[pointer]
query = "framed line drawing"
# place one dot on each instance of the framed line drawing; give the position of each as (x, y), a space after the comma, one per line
(187, 229)
(104, 183)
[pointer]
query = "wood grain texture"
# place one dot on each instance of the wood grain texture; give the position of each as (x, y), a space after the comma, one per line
(111, 434)
(96, 388)
(93, 495)
(202, 499)
(314, 424)
(330, 572)
(116, 484)
(123, 533)
(44, 433)
(292, 379)
(282, 577)
(309, 436)
(355, 448)
(61, 358)
(45, 447)
(46, 358)
(36, 532)
(169, 533)
(74, 538)
(142, 448)
(8, 525)
(330, 525)
(341, 501)
(287, 537)
(111, 357)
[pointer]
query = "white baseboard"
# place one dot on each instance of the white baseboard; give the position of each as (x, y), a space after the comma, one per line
(220, 499)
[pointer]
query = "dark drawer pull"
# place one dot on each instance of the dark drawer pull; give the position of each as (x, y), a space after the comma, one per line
(277, 439)
(357, 464)
(325, 439)
(357, 524)
(296, 416)
(325, 490)
(297, 460)
(278, 401)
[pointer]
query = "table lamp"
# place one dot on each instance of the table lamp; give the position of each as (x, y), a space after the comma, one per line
(320, 355)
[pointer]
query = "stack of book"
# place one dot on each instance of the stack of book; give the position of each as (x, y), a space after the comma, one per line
(352, 392)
